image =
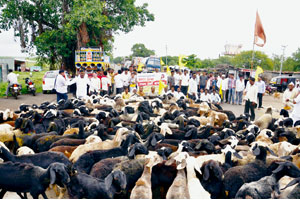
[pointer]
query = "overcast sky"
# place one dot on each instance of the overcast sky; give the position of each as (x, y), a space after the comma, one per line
(203, 27)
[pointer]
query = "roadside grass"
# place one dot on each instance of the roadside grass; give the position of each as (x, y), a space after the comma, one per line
(37, 78)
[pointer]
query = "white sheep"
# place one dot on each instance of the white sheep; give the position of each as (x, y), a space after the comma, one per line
(283, 148)
(164, 129)
(263, 121)
(142, 188)
(179, 187)
(92, 139)
(7, 132)
(24, 151)
(195, 189)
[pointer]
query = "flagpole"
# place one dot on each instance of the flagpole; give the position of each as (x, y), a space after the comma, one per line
(253, 46)
(253, 51)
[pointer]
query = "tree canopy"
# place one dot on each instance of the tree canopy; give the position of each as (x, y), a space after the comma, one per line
(55, 28)
(139, 50)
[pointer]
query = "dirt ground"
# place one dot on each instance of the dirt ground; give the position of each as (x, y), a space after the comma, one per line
(27, 99)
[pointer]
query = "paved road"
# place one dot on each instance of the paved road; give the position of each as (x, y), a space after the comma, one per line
(14, 104)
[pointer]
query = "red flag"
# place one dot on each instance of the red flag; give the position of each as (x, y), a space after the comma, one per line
(259, 31)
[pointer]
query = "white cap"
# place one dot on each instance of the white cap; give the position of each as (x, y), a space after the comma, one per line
(223, 75)
(291, 83)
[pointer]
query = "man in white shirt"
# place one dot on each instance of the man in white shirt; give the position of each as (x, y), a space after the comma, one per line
(126, 78)
(205, 97)
(95, 85)
(251, 98)
(81, 85)
(296, 111)
(193, 89)
(215, 98)
(184, 82)
(180, 94)
(261, 86)
(12, 78)
(177, 79)
(104, 84)
(119, 82)
(288, 96)
(61, 86)
(173, 92)
(240, 86)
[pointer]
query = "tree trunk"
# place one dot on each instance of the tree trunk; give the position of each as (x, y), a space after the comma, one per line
(82, 36)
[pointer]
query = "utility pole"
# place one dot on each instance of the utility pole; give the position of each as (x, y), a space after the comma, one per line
(282, 57)
(166, 55)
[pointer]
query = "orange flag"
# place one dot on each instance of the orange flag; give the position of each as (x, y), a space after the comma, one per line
(259, 31)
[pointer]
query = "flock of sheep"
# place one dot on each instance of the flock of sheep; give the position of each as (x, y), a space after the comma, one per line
(164, 147)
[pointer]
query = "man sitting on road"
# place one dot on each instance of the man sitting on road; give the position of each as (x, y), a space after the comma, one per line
(126, 94)
(12, 78)
(152, 93)
(205, 97)
(141, 91)
(215, 98)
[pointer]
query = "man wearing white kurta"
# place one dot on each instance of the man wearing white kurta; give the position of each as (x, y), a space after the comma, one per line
(126, 77)
(296, 111)
(95, 84)
(81, 85)
(251, 98)
(193, 89)
(205, 97)
(288, 96)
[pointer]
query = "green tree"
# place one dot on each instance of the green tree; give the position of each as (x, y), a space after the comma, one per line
(190, 61)
(118, 60)
(172, 60)
(55, 28)
(139, 50)
(296, 60)
(222, 60)
(260, 59)
(288, 65)
(276, 62)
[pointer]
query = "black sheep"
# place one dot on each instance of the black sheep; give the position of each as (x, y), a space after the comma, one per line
(87, 160)
(235, 177)
(43, 159)
(24, 177)
(85, 186)
(104, 167)
(212, 179)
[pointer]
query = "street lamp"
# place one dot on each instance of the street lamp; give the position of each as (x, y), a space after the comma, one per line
(282, 57)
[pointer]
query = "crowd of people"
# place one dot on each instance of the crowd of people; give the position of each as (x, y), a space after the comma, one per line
(210, 87)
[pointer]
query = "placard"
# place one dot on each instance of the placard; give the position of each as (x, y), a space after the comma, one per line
(147, 80)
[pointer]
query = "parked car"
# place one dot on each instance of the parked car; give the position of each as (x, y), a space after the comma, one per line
(281, 82)
(48, 81)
